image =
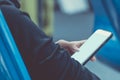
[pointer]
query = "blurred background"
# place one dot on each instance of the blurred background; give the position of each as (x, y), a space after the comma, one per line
(77, 20)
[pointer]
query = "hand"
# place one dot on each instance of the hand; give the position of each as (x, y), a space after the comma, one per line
(72, 46)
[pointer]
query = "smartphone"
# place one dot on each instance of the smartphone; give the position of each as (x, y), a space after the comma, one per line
(91, 46)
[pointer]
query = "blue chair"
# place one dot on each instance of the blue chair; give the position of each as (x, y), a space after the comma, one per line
(12, 66)
(107, 18)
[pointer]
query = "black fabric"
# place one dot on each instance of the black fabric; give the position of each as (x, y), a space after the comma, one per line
(16, 3)
(44, 59)
(12, 2)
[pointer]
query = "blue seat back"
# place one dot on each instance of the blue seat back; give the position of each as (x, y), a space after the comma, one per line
(112, 10)
(106, 17)
(12, 66)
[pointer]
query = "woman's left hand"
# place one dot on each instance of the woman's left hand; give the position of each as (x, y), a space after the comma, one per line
(73, 46)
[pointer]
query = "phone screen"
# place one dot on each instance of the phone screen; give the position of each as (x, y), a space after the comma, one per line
(93, 44)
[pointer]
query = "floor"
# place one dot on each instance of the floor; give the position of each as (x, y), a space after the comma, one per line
(78, 27)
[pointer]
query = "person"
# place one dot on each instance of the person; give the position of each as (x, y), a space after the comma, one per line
(44, 59)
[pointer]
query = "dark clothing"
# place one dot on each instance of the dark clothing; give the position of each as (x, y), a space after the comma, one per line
(44, 59)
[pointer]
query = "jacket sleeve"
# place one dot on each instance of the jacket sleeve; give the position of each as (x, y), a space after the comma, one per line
(45, 60)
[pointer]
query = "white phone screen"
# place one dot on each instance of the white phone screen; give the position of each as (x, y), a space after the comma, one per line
(93, 44)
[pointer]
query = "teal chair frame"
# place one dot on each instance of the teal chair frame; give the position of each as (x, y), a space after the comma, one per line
(15, 67)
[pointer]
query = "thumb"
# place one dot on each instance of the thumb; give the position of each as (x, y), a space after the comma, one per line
(75, 49)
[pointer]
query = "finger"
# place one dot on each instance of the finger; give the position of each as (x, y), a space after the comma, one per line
(75, 49)
(93, 58)
(81, 43)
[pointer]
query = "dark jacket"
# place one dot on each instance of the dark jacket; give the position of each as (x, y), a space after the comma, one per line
(44, 59)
